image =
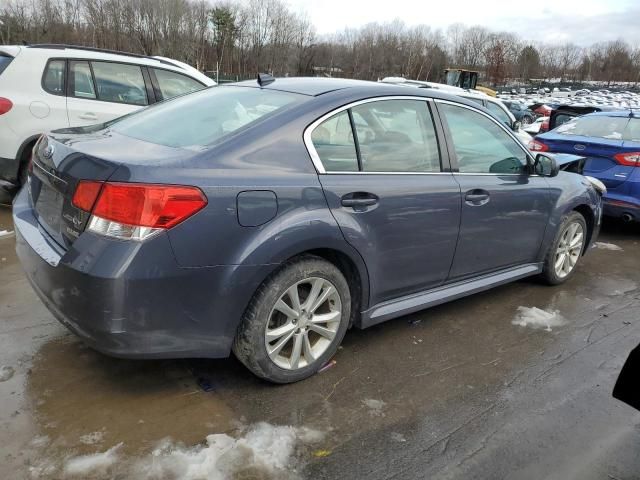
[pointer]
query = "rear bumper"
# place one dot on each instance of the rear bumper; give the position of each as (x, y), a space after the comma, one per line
(619, 206)
(132, 300)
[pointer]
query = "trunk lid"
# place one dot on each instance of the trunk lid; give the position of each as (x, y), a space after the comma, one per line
(599, 154)
(67, 156)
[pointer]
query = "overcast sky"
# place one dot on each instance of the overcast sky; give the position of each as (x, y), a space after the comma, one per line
(579, 21)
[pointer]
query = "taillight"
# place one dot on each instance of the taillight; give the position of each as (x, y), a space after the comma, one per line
(544, 127)
(86, 194)
(536, 146)
(135, 211)
(5, 105)
(629, 159)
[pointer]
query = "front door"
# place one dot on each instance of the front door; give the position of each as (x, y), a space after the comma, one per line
(505, 210)
(387, 190)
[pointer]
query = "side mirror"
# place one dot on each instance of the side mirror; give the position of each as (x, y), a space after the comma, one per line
(546, 166)
(516, 126)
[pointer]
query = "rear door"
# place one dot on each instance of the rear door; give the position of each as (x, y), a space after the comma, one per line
(505, 210)
(101, 91)
(384, 180)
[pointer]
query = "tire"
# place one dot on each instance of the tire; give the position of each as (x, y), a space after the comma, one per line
(551, 273)
(526, 120)
(265, 320)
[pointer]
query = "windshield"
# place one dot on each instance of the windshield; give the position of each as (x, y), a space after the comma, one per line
(599, 126)
(203, 118)
(4, 62)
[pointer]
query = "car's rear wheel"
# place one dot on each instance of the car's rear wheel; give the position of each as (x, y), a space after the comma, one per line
(295, 321)
(565, 252)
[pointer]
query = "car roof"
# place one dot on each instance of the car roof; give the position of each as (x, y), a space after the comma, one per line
(316, 86)
(615, 113)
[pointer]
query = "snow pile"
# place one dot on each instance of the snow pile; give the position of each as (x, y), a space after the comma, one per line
(95, 463)
(263, 451)
(608, 246)
(535, 317)
(5, 233)
(6, 372)
(92, 438)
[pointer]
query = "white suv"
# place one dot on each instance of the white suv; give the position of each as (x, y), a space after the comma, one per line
(46, 87)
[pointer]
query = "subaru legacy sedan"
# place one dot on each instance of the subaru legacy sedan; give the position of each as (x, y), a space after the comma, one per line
(267, 218)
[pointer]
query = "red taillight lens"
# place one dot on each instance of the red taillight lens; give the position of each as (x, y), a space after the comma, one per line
(545, 126)
(629, 159)
(146, 205)
(86, 194)
(537, 146)
(5, 105)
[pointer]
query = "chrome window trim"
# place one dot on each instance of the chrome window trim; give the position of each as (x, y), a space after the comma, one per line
(503, 127)
(315, 158)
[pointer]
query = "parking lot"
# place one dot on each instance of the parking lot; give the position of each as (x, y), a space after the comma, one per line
(457, 391)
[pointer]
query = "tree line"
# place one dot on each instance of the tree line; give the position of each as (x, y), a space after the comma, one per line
(239, 38)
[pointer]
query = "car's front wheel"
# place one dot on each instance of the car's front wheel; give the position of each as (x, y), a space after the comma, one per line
(295, 321)
(566, 250)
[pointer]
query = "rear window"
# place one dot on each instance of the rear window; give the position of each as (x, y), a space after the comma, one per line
(598, 126)
(203, 118)
(5, 60)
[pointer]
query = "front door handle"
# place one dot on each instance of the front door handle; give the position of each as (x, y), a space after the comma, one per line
(359, 200)
(477, 197)
(88, 116)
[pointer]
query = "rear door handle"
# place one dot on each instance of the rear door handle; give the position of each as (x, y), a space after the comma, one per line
(88, 116)
(359, 200)
(477, 197)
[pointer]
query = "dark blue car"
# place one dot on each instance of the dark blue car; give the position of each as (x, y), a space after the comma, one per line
(610, 141)
(268, 218)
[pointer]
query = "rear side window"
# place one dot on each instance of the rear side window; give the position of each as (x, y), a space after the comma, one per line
(82, 80)
(205, 117)
(120, 83)
(599, 126)
(333, 141)
(53, 77)
(396, 136)
(633, 130)
(5, 60)
(172, 84)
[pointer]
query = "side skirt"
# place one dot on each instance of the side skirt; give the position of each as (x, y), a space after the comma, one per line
(430, 298)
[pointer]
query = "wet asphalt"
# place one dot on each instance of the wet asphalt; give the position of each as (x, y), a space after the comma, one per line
(456, 391)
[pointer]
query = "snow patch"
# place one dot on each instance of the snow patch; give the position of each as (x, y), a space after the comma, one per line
(375, 406)
(264, 448)
(92, 438)
(608, 246)
(95, 463)
(535, 317)
(6, 233)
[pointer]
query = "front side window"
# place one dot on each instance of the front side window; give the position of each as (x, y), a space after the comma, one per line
(396, 136)
(482, 146)
(172, 84)
(600, 126)
(119, 82)
(500, 113)
(205, 117)
(82, 80)
(333, 141)
(53, 78)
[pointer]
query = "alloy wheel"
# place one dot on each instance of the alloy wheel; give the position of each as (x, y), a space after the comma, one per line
(303, 323)
(569, 249)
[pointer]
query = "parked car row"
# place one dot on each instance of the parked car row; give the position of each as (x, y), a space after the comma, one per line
(45, 87)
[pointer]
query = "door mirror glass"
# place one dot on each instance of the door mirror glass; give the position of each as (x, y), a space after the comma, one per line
(546, 165)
